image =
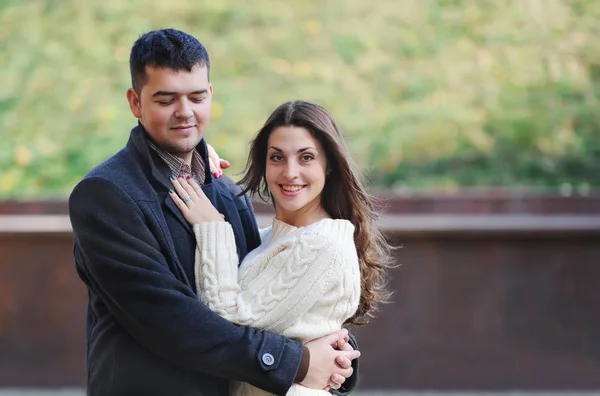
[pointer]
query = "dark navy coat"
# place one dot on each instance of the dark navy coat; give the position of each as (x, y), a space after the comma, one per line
(147, 332)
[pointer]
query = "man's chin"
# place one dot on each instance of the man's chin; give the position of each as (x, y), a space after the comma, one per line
(185, 145)
(181, 150)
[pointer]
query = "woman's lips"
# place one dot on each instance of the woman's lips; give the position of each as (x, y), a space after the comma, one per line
(290, 191)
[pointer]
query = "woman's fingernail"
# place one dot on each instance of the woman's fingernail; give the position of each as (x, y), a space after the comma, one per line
(216, 174)
(171, 190)
(188, 177)
(173, 177)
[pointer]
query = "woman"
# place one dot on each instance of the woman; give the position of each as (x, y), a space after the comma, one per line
(321, 264)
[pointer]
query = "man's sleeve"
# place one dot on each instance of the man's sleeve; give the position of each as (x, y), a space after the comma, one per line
(127, 270)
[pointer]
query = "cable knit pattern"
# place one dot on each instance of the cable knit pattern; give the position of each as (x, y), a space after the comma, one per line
(301, 282)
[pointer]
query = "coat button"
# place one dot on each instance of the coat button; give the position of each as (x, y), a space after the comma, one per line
(268, 359)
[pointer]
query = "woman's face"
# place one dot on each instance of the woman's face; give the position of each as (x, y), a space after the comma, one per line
(295, 173)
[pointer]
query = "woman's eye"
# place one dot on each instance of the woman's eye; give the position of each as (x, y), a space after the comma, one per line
(307, 157)
(276, 157)
(165, 102)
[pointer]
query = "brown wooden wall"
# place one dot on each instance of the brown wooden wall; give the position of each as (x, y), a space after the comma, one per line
(477, 311)
(42, 312)
(497, 300)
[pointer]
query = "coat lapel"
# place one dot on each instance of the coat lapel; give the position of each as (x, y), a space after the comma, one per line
(174, 210)
(160, 173)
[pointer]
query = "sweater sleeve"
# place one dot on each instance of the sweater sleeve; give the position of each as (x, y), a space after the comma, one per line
(288, 284)
(216, 267)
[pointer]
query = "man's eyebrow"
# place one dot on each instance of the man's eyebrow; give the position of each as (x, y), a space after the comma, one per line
(169, 93)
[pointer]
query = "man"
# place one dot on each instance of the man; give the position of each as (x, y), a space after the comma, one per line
(147, 332)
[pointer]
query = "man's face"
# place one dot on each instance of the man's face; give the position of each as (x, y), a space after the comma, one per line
(174, 108)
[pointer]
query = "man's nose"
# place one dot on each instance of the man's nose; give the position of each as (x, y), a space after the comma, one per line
(184, 110)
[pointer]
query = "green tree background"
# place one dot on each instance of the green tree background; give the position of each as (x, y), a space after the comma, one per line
(430, 93)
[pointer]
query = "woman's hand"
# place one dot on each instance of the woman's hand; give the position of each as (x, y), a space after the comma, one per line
(193, 203)
(216, 163)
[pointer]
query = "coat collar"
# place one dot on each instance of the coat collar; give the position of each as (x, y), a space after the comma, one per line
(158, 171)
(138, 140)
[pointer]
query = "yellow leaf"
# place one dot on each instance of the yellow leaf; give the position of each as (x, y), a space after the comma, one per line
(216, 111)
(8, 181)
(22, 156)
(302, 68)
(219, 139)
(311, 27)
(281, 66)
(107, 113)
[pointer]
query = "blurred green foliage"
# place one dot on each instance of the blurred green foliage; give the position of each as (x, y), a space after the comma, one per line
(430, 93)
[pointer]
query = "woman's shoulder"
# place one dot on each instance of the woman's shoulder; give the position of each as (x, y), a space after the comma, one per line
(328, 226)
(338, 232)
(265, 232)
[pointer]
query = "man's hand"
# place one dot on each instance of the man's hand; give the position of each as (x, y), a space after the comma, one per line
(329, 366)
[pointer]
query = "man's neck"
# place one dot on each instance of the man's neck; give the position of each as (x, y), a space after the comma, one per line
(189, 164)
(187, 157)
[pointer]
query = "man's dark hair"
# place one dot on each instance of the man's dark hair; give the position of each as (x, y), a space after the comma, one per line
(167, 48)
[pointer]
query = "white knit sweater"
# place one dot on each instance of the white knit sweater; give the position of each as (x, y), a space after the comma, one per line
(300, 282)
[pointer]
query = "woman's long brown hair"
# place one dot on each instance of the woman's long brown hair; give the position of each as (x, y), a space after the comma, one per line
(343, 196)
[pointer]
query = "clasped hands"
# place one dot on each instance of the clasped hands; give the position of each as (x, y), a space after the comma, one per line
(330, 361)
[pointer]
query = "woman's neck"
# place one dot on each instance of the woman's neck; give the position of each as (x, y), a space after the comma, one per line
(302, 217)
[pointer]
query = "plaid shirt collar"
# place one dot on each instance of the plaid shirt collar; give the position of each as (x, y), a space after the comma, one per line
(179, 167)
